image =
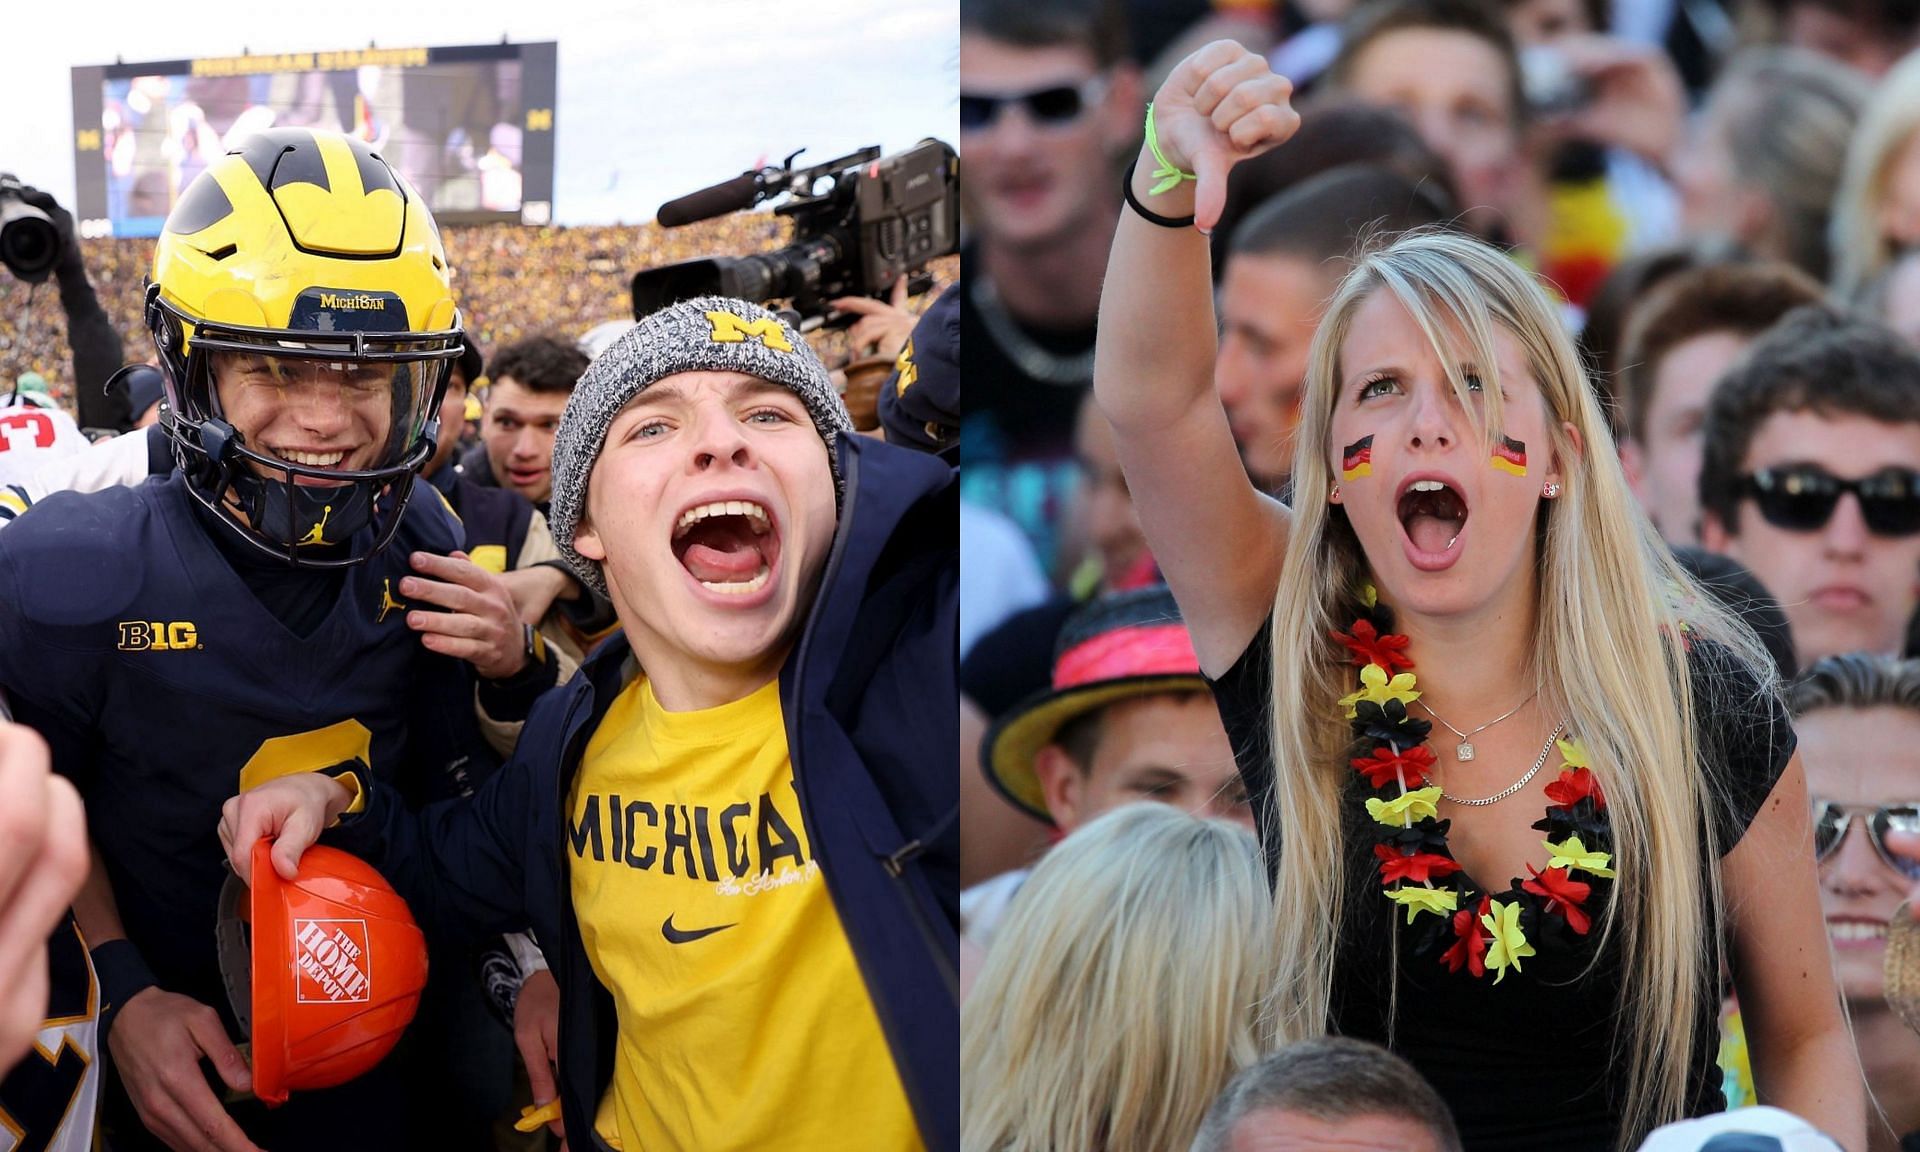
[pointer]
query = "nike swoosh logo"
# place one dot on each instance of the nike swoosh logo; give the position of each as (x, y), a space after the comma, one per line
(676, 936)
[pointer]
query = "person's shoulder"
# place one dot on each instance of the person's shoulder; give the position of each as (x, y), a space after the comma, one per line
(496, 516)
(74, 524)
(429, 524)
(1743, 731)
(1722, 674)
(922, 473)
(79, 557)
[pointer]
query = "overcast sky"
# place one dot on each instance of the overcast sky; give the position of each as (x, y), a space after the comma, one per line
(656, 98)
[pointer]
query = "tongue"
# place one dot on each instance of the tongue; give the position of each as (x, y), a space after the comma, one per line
(718, 567)
(721, 551)
(1431, 533)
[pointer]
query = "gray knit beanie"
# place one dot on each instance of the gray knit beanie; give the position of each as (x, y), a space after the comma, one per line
(709, 334)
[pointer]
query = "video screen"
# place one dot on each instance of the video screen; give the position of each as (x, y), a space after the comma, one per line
(469, 127)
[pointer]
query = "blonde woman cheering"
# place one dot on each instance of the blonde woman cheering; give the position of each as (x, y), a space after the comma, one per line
(1525, 788)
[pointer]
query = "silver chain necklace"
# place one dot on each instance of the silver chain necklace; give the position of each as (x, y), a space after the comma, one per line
(1517, 784)
(1034, 361)
(1464, 750)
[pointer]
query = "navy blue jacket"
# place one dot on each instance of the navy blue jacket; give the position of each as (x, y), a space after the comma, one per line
(867, 696)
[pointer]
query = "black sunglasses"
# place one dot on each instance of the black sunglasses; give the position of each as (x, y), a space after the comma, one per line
(1831, 821)
(1802, 497)
(1054, 106)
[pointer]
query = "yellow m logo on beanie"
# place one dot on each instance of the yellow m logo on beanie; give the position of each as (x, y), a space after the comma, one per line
(733, 328)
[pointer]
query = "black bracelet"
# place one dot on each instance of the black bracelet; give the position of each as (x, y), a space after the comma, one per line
(1148, 214)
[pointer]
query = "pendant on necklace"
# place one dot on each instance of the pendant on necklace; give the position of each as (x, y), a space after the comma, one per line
(1464, 752)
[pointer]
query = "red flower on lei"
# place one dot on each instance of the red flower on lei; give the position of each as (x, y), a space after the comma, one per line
(1470, 947)
(1559, 892)
(1370, 646)
(1419, 867)
(1387, 766)
(1575, 785)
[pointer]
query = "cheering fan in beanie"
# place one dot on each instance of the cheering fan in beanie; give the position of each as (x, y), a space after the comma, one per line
(736, 832)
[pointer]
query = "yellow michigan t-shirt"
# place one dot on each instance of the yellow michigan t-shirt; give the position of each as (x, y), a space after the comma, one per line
(744, 1022)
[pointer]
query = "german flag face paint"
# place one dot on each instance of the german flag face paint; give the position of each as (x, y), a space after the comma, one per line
(1510, 456)
(1357, 460)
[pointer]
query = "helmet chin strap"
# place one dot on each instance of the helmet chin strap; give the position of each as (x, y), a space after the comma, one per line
(284, 512)
(299, 515)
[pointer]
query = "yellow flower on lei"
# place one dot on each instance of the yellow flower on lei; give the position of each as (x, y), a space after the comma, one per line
(1509, 943)
(1574, 752)
(1375, 686)
(1571, 853)
(1419, 898)
(1405, 808)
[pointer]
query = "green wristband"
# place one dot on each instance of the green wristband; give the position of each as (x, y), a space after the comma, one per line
(1167, 175)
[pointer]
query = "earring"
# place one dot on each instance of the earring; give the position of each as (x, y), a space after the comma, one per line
(1336, 493)
(1552, 490)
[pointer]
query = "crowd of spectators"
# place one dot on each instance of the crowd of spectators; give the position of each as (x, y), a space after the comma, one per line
(511, 281)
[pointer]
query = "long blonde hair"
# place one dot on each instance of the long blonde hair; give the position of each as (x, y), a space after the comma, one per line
(1124, 989)
(1610, 657)
(1861, 248)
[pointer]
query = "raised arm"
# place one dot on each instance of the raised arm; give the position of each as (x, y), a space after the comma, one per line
(1218, 540)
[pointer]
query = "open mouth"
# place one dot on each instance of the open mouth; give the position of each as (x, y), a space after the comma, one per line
(1432, 513)
(729, 546)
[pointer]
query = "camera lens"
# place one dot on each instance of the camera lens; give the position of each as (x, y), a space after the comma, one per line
(29, 243)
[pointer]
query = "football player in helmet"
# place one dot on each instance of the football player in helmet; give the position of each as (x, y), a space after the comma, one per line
(303, 315)
(260, 610)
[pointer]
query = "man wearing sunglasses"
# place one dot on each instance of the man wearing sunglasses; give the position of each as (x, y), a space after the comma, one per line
(1810, 477)
(1849, 711)
(1048, 105)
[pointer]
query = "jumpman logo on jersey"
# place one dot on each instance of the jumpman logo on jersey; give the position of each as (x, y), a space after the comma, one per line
(387, 602)
(317, 534)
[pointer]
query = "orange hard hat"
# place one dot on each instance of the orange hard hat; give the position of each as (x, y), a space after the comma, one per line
(324, 972)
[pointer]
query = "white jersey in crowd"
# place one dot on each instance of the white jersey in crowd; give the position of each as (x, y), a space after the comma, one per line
(48, 1100)
(120, 460)
(32, 436)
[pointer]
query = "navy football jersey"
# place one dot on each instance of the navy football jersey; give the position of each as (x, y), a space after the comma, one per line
(166, 687)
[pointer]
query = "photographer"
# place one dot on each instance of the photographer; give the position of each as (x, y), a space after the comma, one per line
(97, 353)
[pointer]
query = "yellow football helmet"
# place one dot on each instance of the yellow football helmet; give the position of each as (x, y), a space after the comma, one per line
(301, 260)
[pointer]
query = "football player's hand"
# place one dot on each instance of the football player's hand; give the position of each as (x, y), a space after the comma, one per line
(43, 860)
(536, 1026)
(291, 811)
(480, 624)
(1218, 107)
(884, 326)
(158, 1041)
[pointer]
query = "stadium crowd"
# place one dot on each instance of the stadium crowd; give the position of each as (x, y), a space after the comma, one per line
(1239, 282)
(513, 281)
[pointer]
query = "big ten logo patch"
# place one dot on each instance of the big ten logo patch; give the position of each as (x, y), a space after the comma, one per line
(158, 636)
(330, 957)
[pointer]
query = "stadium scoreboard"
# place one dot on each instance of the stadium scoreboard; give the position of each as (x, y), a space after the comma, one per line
(470, 126)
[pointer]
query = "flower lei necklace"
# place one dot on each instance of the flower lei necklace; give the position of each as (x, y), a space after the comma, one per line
(1473, 930)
